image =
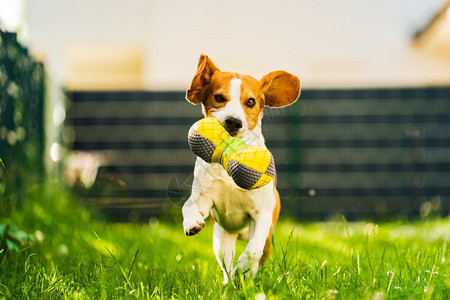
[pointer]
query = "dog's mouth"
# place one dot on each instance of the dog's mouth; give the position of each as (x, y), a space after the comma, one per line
(234, 131)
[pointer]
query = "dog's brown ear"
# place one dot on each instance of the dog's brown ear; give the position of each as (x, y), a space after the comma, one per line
(201, 80)
(280, 88)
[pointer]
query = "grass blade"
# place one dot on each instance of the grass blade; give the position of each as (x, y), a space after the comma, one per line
(115, 260)
(4, 167)
(132, 264)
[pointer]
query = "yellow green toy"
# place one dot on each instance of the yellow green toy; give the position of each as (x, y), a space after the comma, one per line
(250, 167)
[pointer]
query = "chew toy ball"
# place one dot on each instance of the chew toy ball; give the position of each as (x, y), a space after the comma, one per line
(250, 167)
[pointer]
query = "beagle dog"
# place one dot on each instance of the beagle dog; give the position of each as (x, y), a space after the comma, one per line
(237, 101)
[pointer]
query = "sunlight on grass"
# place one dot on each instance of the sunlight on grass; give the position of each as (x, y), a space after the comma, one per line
(331, 260)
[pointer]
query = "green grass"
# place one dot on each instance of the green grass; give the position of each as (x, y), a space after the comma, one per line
(75, 256)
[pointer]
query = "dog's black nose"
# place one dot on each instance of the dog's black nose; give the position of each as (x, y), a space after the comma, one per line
(232, 125)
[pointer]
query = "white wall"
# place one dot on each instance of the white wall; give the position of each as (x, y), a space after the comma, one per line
(327, 43)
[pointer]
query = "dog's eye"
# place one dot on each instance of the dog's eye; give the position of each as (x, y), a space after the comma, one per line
(251, 102)
(219, 98)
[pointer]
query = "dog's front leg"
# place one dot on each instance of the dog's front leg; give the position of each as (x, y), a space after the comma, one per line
(195, 211)
(259, 230)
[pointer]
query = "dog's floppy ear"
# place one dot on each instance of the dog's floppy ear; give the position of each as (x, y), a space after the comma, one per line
(280, 88)
(202, 79)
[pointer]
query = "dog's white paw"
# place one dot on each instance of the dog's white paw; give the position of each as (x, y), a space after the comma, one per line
(246, 265)
(193, 223)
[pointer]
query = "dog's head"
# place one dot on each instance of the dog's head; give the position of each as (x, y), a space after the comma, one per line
(237, 101)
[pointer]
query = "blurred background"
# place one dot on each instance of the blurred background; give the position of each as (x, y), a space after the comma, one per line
(92, 93)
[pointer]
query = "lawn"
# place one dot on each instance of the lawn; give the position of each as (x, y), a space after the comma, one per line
(72, 254)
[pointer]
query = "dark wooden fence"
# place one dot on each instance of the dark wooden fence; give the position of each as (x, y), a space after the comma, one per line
(357, 152)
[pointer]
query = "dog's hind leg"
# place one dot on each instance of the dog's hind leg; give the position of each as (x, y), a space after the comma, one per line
(224, 244)
(244, 234)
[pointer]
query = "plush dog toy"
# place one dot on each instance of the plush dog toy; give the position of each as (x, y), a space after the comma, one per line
(250, 167)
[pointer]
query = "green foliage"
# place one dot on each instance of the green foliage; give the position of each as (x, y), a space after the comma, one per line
(21, 117)
(12, 239)
(75, 256)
